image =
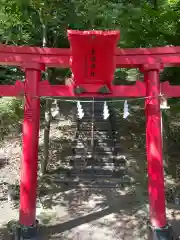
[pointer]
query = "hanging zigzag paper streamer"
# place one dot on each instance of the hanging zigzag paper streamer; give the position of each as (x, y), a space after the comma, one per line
(55, 111)
(80, 111)
(126, 110)
(105, 111)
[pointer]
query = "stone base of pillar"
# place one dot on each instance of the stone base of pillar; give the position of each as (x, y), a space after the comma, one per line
(27, 233)
(165, 233)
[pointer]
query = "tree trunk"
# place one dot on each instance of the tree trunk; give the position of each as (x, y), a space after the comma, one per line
(47, 124)
(156, 4)
(166, 131)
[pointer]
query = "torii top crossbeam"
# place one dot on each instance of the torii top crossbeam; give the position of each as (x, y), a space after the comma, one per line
(59, 57)
(124, 58)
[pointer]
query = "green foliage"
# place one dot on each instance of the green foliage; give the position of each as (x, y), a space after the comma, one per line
(10, 108)
(126, 76)
(11, 112)
(9, 74)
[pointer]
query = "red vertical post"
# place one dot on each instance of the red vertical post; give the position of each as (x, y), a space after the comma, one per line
(28, 183)
(154, 147)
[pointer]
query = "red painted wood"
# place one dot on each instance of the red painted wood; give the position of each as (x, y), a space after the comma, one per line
(64, 61)
(138, 90)
(147, 51)
(17, 59)
(170, 90)
(93, 56)
(67, 52)
(45, 89)
(16, 55)
(34, 50)
(33, 66)
(12, 90)
(154, 151)
(154, 66)
(28, 184)
(137, 61)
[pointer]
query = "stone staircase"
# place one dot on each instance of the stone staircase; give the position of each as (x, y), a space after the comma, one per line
(96, 160)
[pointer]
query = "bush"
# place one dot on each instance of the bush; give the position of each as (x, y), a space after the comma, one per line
(11, 112)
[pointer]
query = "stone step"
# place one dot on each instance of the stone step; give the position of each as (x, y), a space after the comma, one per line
(88, 157)
(98, 142)
(90, 173)
(96, 127)
(88, 118)
(92, 177)
(95, 168)
(98, 161)
(86, 135)
(95, 148)
(89, 121)
(98, 119)
(117, 148)
(95, 165)
(94, 183)
(101, 143)
(101, 132)
(97, 173)
(82, 152)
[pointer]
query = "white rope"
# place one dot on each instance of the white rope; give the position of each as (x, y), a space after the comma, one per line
(90, 101)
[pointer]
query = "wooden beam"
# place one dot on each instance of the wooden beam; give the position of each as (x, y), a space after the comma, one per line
(54, 57)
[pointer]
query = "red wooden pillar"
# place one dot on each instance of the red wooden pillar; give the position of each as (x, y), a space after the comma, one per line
(154, 147)
(28, 184)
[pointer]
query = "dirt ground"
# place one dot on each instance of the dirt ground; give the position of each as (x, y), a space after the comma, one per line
(71, 213)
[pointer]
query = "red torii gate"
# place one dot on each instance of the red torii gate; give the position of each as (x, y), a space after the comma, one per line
(93, 58)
